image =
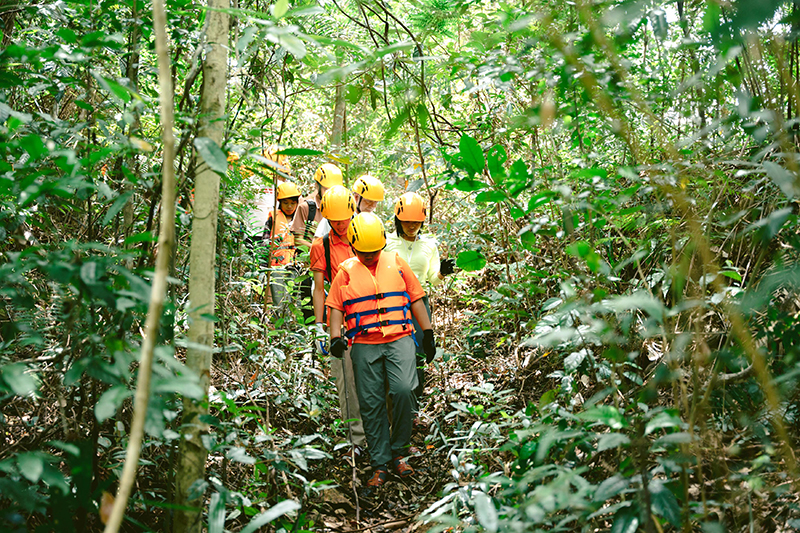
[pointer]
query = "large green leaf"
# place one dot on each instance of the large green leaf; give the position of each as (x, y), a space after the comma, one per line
(605, 414)
(471, 260)
(31, 466)
(211, 154)
(17, 378)
(110, 401)
(471, 154)
(664, 502)
(485, 512)
(497, 158)
(625, 521)
(276, 511)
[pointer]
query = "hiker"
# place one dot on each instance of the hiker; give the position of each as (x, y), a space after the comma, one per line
(279, 236)
(368, 191)
(374, 296)
(305, 221)
(338, 207)
(421, 252)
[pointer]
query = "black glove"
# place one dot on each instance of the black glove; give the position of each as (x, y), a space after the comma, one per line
(428, 345)
(338, 347)
(447, 266)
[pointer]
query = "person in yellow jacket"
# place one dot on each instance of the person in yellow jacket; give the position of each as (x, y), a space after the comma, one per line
(422, 254)
(374, 297)
(278, 237)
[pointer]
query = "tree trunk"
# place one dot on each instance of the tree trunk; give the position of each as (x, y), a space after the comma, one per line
(338, 118)
(192, 453)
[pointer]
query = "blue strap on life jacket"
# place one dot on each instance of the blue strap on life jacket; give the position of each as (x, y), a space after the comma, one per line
(363, 328)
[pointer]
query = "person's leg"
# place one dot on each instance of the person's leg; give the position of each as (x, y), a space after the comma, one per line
(342, 372)
(370, 373)
(277, 287)
(401, 373)
(305, 297)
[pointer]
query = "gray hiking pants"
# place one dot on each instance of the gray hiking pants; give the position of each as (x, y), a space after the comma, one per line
(376, 366)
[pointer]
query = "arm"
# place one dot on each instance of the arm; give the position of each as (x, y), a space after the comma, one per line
(300, 241)
(420, 313)
(434, 275)
(337, 319)
(318, 298)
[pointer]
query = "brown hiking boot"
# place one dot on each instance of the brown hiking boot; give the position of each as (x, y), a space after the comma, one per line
(401, 467)
(379, 477)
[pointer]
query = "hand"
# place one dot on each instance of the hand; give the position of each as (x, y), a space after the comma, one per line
(320, 338)
(338, 347)
(447, 266)
(428, 345)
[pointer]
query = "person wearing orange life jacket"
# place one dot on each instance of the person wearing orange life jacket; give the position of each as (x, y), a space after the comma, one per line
(279, 238)
(422, 254)
(374, 296)
(305, 222)
(368, 192)
(338, 207)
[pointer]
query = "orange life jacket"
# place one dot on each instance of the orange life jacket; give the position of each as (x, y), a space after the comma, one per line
(376, 302)
(282, 239)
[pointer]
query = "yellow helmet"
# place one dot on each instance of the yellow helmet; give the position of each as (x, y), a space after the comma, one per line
(410, 207)
(287, 189)
(369, 187)
(366, 234)
(328, 175)
(337, 204)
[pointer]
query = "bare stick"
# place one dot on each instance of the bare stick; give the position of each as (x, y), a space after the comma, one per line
(166, 241)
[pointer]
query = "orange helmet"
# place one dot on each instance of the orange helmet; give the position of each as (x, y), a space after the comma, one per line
(287, 189)
(410, 207)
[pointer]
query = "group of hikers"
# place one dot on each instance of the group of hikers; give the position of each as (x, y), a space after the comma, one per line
(375, 313)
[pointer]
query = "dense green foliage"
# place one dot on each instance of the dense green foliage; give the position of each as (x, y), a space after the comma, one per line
(617, 181)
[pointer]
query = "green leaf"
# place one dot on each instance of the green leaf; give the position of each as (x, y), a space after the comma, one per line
(608, 441)
(625, 521)
(490, 196)
(669, 418)
(299, 151)
(31, 466)
(34, 146)
(353, 94)
(540, 199)
(276, 511)
(664, 503)
(422, 116)
(280, 8)
(658, 18)
(782, 178)
(293, 45)
(769, 226)
(471, 260)
(605, 414)
(212, 154)
(395, 48)
(547, 398)
(18, 379)
(110, 401)
(116, 207)
(216, 513)
(497, 158)
(396, 122)
(485, 512)
(469, 185)
(68, 35)
(240, 455)
(472, 154)
(640, 300)
(611, 487)
(118, 90)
